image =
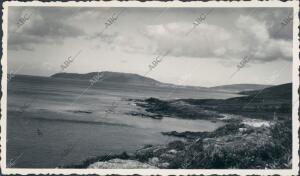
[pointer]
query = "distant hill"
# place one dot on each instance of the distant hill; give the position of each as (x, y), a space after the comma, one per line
(125, 78)
(259, 104)
(283, 91)
(262, 103)
(239, 87)
(130, 78)
(107, 76)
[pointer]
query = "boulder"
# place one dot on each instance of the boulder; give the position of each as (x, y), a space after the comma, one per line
(153, 161)
(164, 165)
(173, 151)
(120, 164)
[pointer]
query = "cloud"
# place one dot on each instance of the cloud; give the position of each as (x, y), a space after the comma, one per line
(120, 41)
(196, 44)
(230, 38)
(275, 20)
(43, 25)
(248, 36)
(262, 46)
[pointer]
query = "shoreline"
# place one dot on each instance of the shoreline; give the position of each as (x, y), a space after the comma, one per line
(255, 136)
(255, 146)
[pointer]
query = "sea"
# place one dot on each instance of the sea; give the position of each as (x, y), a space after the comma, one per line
(54, 122)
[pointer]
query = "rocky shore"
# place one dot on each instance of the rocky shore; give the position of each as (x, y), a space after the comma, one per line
(235, 145)
(261, 104)
(157, 109)
(239, 144)
(232, 146)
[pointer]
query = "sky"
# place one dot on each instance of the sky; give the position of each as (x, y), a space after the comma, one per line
(204, 45)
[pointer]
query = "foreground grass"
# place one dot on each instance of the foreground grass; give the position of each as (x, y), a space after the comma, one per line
(234, 145)
(229, 147)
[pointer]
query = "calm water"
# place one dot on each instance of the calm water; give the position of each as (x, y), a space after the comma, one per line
(49, 132)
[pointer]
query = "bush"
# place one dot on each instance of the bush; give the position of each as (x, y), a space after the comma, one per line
(259, 148)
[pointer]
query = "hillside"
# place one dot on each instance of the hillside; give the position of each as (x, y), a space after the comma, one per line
(106, 76)
(258, 104)
(280, 91)
(130, 78)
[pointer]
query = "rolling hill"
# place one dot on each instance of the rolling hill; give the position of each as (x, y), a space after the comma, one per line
(130, 78)
(107, 76)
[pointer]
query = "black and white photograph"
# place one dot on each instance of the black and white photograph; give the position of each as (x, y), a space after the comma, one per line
(153, 88)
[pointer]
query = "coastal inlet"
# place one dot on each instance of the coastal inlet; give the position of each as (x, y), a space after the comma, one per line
(146, 129)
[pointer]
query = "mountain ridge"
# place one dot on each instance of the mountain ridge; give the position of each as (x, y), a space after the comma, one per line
(108, 76)
(133, 78)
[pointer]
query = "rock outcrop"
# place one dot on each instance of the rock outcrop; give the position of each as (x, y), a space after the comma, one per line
(120, 164)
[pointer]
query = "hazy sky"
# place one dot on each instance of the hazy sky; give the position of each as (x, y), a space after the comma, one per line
(205, 57)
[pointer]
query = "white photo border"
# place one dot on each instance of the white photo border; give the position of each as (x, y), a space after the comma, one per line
(254, 3)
